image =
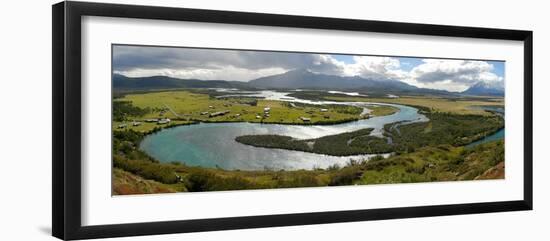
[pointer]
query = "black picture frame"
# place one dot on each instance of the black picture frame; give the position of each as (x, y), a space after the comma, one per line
(66, 127)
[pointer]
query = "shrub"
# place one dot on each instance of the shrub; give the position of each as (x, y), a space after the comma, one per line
(298, 179)
(202, 180)
(147, 169)
(345, 176)
(123, 109)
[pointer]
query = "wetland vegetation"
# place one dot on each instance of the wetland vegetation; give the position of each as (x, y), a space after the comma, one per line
(136, 173)
(423, 151)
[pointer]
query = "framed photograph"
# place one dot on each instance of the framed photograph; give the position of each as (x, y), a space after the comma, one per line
(169, 120)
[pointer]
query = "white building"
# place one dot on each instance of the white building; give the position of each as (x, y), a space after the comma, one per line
(164, 121)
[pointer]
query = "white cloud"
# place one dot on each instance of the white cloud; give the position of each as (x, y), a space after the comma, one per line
(238, 74)
(447, 85)
(452, 75)
(374, 67)
(326, 64)
(371, 67)
(206, 64)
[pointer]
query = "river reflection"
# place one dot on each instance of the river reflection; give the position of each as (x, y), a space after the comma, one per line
(214, 145)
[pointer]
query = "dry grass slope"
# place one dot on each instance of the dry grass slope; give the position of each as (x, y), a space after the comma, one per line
(125, 183)
(438, 104)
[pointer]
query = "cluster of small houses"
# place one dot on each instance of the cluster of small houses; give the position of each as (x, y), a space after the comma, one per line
(266, 114)
(306, 119)
(214, 114)
(160, 121)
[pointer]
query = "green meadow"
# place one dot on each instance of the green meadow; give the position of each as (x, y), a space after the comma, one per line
(186, 107)
(420, 152)
(137, 173)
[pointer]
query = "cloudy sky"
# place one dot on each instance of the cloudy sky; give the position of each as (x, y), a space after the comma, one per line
(209, 64)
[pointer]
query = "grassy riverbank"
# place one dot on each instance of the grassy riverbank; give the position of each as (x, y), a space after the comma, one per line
(345, 144)
(185, 107)
(442, 128)
(423, 152)
(135, 172)
(455, 105)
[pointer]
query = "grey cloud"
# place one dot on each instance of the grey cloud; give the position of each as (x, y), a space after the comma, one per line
(457, 71)
(131, 57)
(437, 76)
(246, 65)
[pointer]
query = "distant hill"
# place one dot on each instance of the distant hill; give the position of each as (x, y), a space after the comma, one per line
(121, 82)
(304, 79)
(485, 89)
(295, 79)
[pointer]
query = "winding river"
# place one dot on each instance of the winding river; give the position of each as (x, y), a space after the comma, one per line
(214, 145)
(495, 136)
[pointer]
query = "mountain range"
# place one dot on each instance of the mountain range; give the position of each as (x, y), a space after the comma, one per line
(484, 89)
(304, 79)
(294, 79)
(121, 82)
